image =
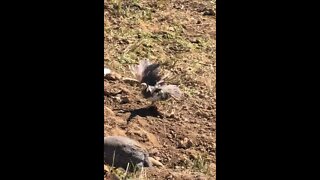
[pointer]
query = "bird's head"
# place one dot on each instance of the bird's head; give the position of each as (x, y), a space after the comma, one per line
(144, 86)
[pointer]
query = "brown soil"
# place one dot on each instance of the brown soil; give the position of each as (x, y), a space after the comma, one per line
(181, 36)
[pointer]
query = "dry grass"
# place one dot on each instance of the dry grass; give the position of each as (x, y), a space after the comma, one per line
(120, 173)
(161, 32)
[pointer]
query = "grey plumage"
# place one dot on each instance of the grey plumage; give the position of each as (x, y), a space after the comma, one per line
(153, 85)
(119, 151)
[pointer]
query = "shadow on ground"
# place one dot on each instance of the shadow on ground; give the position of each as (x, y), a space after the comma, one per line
(142, 112)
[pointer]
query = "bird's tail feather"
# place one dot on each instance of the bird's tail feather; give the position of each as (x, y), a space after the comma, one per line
(138, 70)
(146, 72)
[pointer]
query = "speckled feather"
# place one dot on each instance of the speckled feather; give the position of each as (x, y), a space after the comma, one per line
(154, 88)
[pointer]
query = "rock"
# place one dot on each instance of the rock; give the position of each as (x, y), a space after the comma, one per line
(212, 153)
(209, 12)
(189, 143)
(113, 76)
(120, 150)
(122, 99)
(194, 40)
(186, 143)
(106, 71)
(193, 156)
(171, 29)
(155, 162)
(212, 165)
(169, 176)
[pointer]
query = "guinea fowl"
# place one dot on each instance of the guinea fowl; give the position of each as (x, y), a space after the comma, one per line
(152, 83)
(120, 151)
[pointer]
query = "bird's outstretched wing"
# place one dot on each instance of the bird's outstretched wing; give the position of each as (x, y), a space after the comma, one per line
(173, 90)
(138, 70)
(146, 72)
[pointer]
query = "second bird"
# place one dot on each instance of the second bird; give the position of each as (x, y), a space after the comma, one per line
(152, 83)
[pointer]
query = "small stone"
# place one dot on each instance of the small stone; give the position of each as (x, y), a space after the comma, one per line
(155, 162)
(122, 99)
(169, 177)
(189, 143)
(209, 12)
(213, 166)
(118, 99)
(106, 71)
(186, 143)
(194, 40)
(113, 76)
(193, 156)
(171, 29)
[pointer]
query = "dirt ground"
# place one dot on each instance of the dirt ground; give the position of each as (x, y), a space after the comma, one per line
(179, 34)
